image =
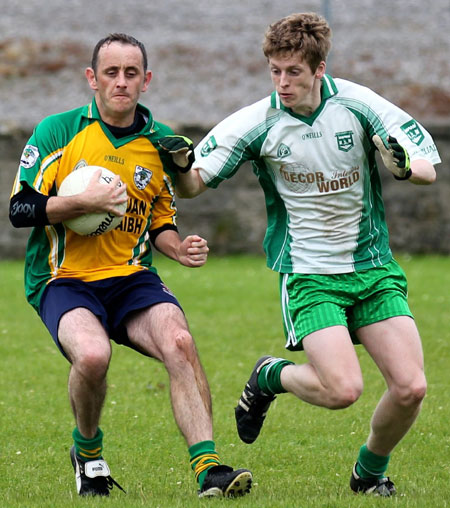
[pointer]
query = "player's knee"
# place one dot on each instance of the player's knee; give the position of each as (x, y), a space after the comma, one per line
(411, 394)
(93, 362)
(345, 394)
(181, 348)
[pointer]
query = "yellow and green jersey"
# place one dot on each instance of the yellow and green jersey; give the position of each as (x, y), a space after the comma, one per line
(60, 144)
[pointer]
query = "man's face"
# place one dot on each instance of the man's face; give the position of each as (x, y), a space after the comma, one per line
(297, 85)
(118, 82)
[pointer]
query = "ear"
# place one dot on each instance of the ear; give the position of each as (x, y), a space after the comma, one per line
(90, 76)
(320, 71)
(147, 79)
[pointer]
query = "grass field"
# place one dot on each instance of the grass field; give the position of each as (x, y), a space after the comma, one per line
(304, 455)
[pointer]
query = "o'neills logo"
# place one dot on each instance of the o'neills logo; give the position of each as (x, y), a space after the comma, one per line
(300, 179)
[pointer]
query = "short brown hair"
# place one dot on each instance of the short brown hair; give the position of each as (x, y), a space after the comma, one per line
(123, 39)
(306, 33)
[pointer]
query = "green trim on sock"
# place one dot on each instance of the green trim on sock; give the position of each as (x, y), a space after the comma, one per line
(269, 376)
(205, 453)
(371, 465)
(88, 449)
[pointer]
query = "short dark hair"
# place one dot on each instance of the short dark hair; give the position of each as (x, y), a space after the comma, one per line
(123, 39)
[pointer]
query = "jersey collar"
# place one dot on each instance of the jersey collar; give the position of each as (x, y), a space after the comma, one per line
(91, 111)
(329, 89)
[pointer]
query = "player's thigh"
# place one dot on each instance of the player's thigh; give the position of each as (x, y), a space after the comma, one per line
(155, 330)
(395, 346)
(311, 303)
(332, 354)
(81, 334)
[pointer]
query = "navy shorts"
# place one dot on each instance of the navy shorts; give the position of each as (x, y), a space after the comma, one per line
(111, 300)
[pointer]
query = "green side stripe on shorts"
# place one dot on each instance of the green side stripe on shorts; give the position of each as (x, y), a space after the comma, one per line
(311, 302)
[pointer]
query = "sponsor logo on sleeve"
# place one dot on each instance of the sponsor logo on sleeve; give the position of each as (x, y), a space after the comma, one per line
(29, 156)
(208, 147)
(413, 131)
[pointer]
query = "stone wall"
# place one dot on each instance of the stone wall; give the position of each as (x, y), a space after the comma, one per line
(233, 217)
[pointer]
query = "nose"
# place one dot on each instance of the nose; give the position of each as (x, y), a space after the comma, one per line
(121, 81)
(284, 80)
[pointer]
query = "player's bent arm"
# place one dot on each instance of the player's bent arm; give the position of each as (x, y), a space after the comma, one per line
(192, 251)
(422, 172)
(29, 208)
(190, 184)
(61, 208)
(97, 198)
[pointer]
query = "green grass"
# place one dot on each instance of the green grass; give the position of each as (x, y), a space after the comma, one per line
(304, 455)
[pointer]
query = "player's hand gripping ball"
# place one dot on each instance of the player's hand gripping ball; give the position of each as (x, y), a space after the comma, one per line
(90, 224)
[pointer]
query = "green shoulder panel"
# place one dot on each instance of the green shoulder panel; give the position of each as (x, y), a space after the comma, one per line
(47, 143)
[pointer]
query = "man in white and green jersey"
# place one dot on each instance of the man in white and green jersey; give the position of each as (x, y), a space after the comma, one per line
(312, 144)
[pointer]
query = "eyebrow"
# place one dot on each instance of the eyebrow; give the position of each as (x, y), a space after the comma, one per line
(296, 66)
(117, 67)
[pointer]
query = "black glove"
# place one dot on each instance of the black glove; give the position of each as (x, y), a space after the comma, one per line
(182, 151)
(394, 156)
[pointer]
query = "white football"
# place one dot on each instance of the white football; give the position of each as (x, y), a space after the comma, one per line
(89, 224)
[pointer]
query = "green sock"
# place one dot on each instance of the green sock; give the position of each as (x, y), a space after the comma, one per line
(269, 376)
(203, 456)
(370, 464)
(88, 449)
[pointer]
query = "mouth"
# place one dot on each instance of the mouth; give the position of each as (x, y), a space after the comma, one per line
(286, 98)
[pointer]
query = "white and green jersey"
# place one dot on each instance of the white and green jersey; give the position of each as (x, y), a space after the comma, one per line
(322, 188)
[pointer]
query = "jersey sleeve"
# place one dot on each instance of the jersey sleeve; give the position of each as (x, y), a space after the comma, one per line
(164, 212)
(232, 142)
(390, 120)
(39, 160)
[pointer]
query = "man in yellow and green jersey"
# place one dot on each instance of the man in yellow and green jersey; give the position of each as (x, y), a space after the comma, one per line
(91, 289)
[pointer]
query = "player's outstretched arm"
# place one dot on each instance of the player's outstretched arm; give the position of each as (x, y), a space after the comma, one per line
(190, 184)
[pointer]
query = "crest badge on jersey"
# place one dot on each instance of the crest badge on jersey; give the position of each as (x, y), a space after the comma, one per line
(209, 146)
(29, 157)
(283, 151)
(142, 177)
(345, 141)
(413, 131)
